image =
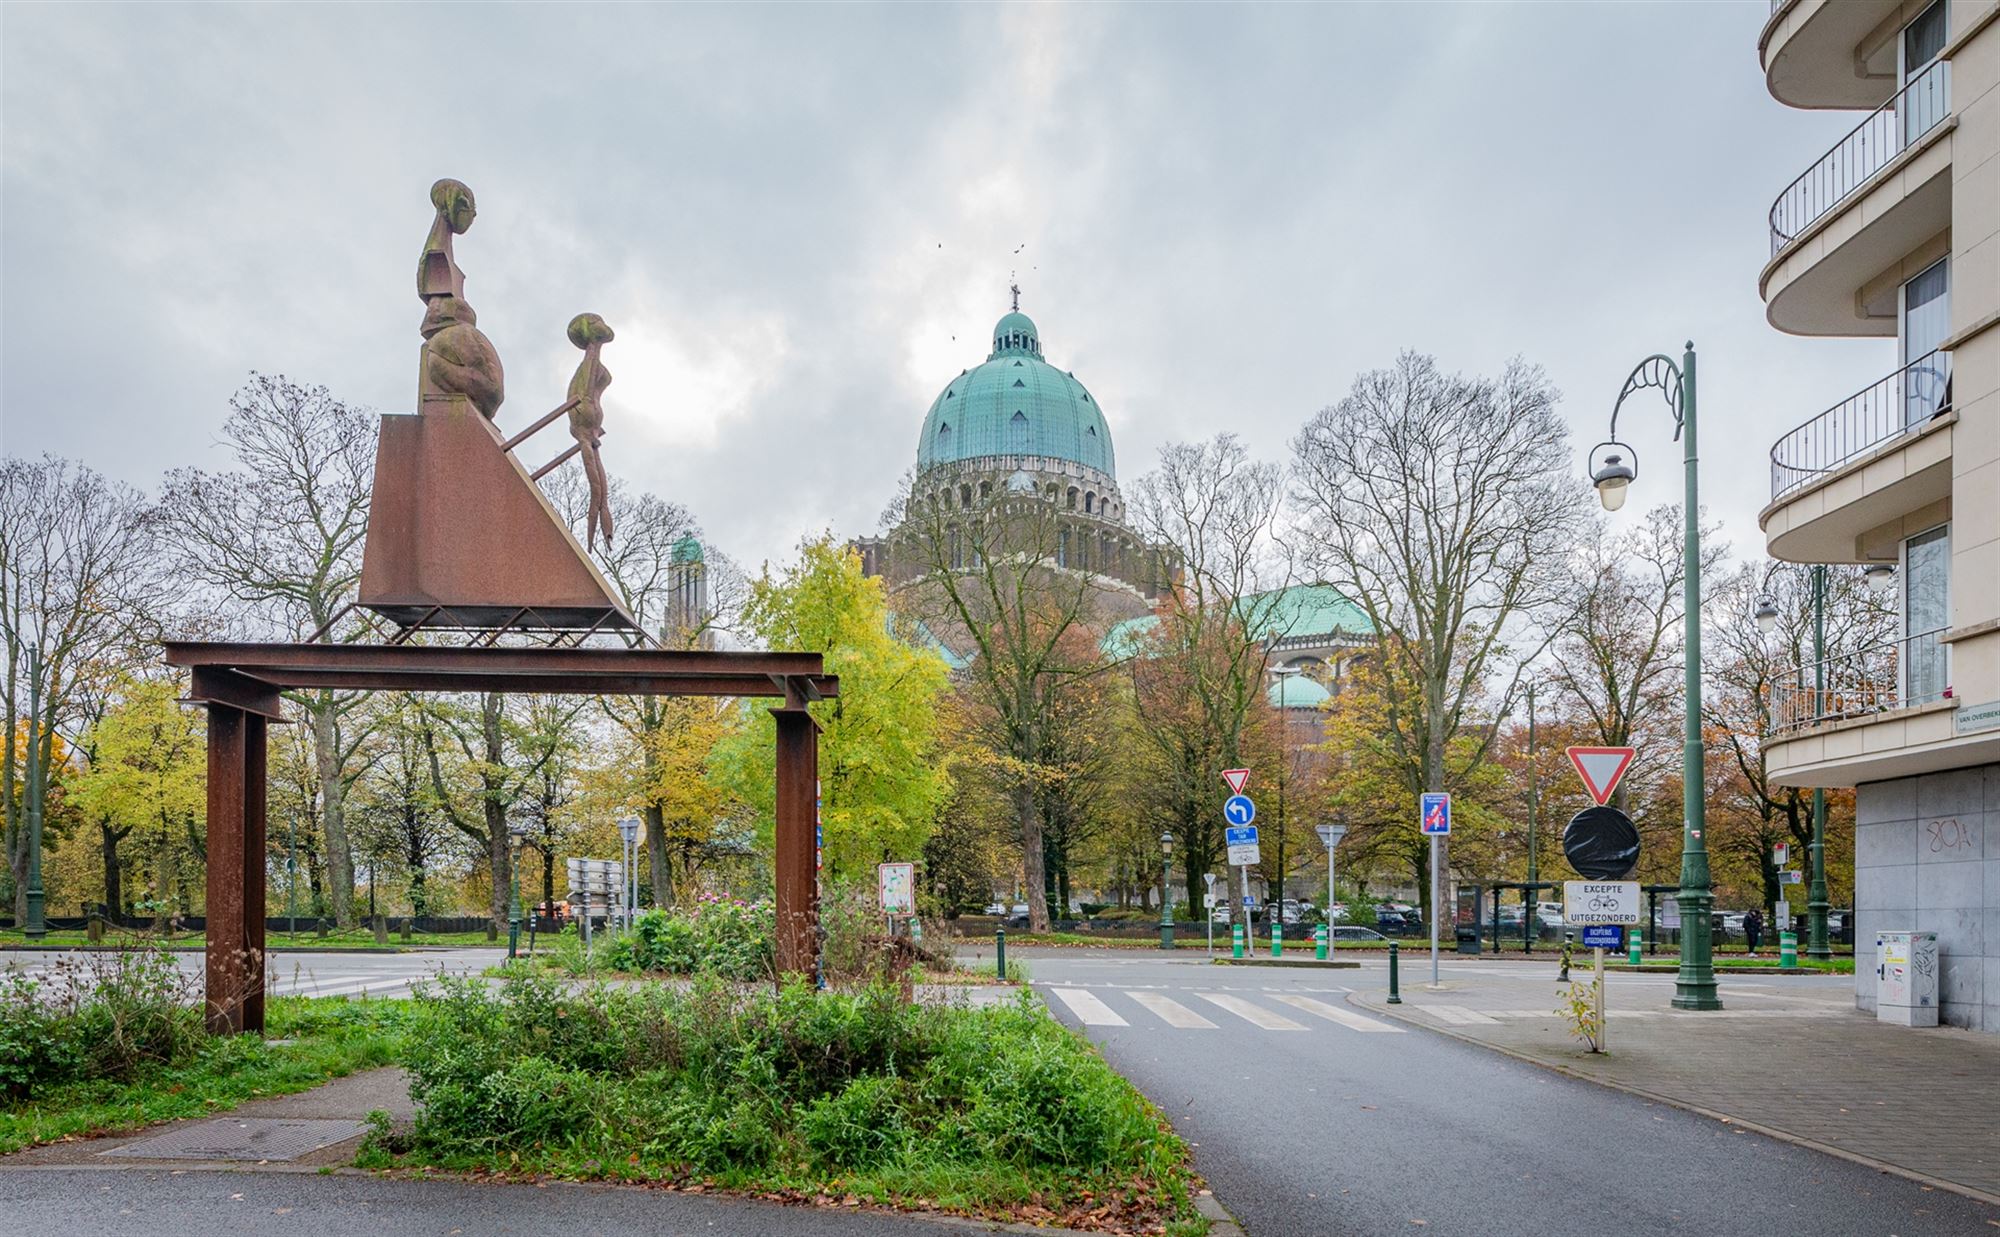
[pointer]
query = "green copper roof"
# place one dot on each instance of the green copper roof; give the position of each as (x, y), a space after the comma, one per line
(1296, 691)
(1016, 404)
(687, 550)
(1301, 610)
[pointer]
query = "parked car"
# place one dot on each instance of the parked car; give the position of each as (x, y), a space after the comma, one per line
(1391, 922)
(1355, 932)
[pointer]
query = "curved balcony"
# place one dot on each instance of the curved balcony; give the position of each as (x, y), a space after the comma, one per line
(1811, 52)
(1903, 403)
(1855, 160)
(1880, 456)
(1892, 675)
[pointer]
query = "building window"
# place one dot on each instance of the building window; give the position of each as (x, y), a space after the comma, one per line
(957, 554)
(1072, 498)
(1926, 612)
(1062, 548)
(965, 495)
(985, 490)
(1926, 322)
(1089, 502)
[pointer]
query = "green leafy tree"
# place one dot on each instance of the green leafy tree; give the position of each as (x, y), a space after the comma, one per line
(880, 780)
(147, 781)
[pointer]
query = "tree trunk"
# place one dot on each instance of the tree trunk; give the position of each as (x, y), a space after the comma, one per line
(497, 861)
(333, 803)
(413, 861)
(660, 867)
(1031, 856)
(114, 888)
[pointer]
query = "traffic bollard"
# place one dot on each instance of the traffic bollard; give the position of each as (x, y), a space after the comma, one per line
(916, 931)
(1000, 953)
(1635, 950)
(1788, 949)
(1319, 944)
(1236, 940)
(1277, 939)
(1395, 994)
(1569, 944)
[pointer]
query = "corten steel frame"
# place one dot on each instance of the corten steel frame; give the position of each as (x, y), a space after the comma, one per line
(239, 683)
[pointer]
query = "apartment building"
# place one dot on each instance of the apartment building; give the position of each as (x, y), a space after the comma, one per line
(1895, 233)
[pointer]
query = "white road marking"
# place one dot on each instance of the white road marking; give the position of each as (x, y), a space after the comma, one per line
(1173, 1012)
(1253, 1014)
(1088, 1009)
(1333, 1013)
(1457, 1015)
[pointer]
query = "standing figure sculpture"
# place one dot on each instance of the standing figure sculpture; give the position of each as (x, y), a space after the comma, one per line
(586, 416)
(457, 357)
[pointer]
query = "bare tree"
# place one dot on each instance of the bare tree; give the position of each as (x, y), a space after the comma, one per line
(1201, 678)
(996, 578)
(281, 538)
(1441, 504)
(75, 577)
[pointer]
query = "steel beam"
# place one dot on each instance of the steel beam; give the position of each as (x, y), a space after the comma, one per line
(796, 860)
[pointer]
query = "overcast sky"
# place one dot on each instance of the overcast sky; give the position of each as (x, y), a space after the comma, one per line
(801, 221)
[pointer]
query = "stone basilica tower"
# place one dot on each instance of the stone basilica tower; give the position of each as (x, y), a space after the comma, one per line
(1016, 425)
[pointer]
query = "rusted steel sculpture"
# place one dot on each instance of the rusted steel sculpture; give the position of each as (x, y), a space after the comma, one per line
(461, 538)
(459, 534)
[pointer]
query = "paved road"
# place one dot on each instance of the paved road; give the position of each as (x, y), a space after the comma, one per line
(376, 973)
(118, 1203)
(1310, 1116)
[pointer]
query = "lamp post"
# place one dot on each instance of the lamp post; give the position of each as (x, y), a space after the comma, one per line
(628, 828)
(1330, 835)
(516, 834)
(1284, 676)
(1694, 986)
(1166, 891)
(35, 927)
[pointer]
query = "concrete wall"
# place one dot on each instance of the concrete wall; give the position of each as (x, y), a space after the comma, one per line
(1927, 858)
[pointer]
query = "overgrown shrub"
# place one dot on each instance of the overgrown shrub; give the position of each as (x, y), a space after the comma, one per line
(714, 1079)
(102, 1015)
(714, 935)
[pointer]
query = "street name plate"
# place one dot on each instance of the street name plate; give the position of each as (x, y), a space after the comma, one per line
(1600, 902)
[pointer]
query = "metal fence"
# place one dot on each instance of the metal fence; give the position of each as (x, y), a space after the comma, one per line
(1904, 401)
(1915, 110)
(1890, 675)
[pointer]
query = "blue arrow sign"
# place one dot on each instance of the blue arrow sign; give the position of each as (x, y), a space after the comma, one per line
(1238, 810)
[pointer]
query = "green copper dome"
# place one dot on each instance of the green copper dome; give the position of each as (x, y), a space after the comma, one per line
(1016, 404)
(687, 550)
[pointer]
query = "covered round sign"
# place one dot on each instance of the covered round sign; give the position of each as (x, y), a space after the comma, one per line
(1602, 843)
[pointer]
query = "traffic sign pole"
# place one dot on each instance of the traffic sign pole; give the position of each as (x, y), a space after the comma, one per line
(1434, 910)
(1602, 1027)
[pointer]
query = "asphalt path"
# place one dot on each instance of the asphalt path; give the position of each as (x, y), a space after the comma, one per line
(370, 972)
(88, 1202)
(1310, 1116)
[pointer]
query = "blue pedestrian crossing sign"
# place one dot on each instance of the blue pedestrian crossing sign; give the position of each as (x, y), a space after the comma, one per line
(1435, 817)
(1238, 810)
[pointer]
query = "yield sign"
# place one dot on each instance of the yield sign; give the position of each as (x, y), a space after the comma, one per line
(1600, 768)
(1237, 779)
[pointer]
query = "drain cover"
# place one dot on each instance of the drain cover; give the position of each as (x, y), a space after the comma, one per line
(232, 1138)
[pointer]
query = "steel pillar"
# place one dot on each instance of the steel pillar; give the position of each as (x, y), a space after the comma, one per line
(796, 842)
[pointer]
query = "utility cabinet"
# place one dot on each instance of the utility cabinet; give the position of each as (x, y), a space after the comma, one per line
(1906, 978)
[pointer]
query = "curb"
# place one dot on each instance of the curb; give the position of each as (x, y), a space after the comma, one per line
(268, 949)
(1772, 1132)
(1328, 965)
(1220, 1222)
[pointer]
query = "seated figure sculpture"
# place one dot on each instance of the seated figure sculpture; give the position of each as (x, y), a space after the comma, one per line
(458, 359)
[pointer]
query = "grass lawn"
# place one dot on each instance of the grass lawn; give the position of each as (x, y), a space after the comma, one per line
(359, 938)
(331, 1037)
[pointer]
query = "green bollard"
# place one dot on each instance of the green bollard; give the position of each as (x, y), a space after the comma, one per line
(1788, 949)
(1235, 940)
(1000, 953)
(1277, 939)
(917, 931)
(1319, 944)
(1395, 993)
(1634, 947)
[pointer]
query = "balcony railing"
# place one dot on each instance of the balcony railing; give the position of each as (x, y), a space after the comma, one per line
(1885, 676)
(1899, 404)
(1891, 129)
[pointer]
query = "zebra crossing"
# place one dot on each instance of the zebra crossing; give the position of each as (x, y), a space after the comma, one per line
(1211, 1010)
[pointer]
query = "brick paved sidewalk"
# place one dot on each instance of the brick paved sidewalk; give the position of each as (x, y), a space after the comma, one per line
(1788, 1056)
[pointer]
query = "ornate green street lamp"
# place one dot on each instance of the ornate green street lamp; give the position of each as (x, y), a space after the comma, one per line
(517, 833)
(35, 927)
(1614, 466)
(1166, 891)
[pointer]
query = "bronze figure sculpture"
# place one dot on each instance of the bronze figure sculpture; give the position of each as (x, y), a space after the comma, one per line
(457, 357)
(586, 416)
